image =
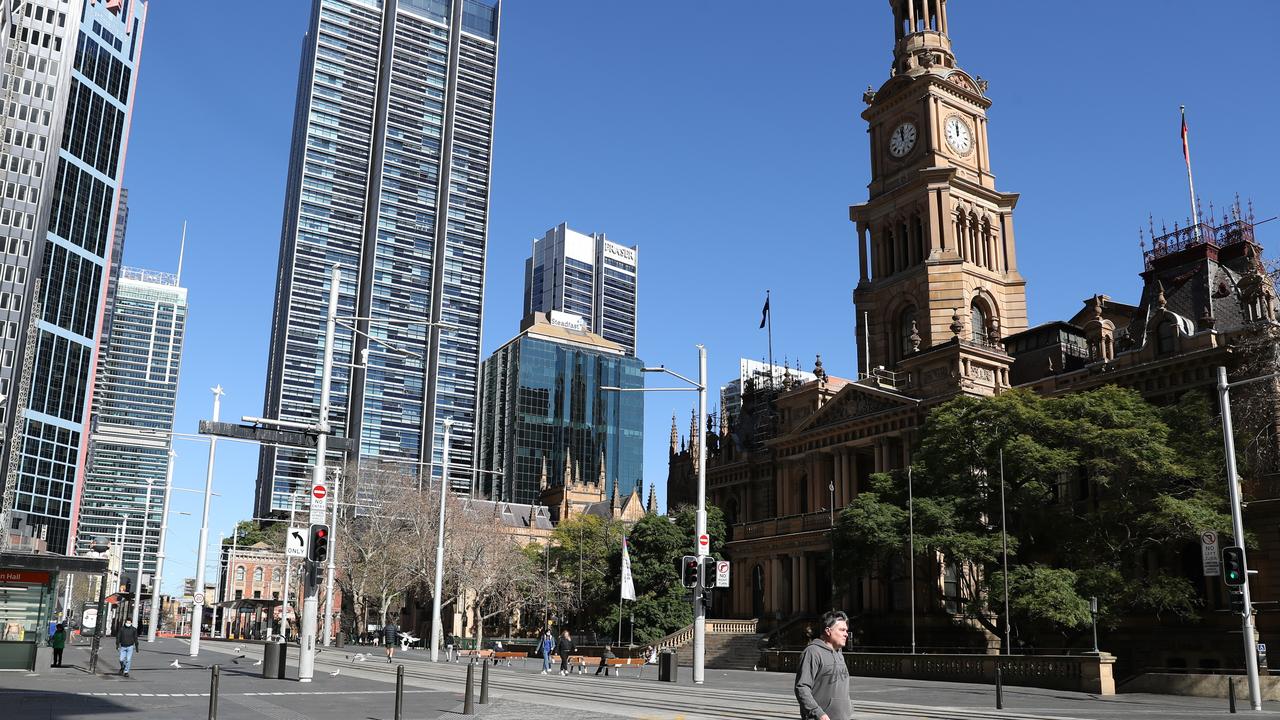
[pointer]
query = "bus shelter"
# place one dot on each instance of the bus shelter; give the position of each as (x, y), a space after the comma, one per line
(28, 602)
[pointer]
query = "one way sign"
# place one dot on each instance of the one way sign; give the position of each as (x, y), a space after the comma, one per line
(295, 544)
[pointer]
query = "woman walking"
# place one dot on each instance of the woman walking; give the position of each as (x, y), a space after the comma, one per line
(58, 642)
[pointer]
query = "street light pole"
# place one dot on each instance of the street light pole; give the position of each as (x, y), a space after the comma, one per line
(700, 529)
(197, 610)
(438, 588)
(307, 639)
(326, 632)
(154, 618)
(142, 551)
(1237, 531)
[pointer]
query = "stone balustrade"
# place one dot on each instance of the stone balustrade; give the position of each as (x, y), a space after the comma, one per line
(1081, 673)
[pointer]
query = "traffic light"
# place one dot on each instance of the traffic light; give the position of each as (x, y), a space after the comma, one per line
(1236, 600)
(708, 572)
(1233, 570)
(689, 571)
(318, 548)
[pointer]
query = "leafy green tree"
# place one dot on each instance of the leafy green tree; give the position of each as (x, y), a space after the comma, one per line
(1101, 492)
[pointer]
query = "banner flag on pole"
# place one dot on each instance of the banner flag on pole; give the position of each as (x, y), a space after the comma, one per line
(628, 587)
(764, 312)
(1186, 145)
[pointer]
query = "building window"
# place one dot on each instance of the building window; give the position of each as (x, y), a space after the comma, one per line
(1166, 335)
(240, 573)
(275, 575)
(978, 322)
(257, 575)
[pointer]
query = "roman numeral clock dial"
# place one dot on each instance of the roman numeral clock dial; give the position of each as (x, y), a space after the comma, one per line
(902, 140)
(958, 135)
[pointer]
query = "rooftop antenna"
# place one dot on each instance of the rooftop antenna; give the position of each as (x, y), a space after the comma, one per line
(182, 249)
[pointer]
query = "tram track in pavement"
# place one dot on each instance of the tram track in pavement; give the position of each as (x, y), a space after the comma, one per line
(680, 700)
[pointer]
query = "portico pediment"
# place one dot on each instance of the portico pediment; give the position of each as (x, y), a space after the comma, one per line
(855, 401)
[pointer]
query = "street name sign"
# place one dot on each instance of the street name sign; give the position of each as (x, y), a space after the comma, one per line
(1209, 556)
(295, 543)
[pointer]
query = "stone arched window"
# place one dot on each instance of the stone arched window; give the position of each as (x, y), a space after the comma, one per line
(979, 322)
(239, 573)
(275, 575)
(906, 328)
(257, 575)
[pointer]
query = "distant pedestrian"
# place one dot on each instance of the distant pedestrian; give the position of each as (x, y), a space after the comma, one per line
(390, 637)
(448, 647)
(126, 643)
(497, 648)
(565, 648)
(822, 678)
(545, 646)
(604, 660)
(58, 642)
(651, 655)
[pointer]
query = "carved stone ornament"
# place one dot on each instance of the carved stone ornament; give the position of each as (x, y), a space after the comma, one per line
(869, 96)
(915, 337)
(857, 405)
(957, 325)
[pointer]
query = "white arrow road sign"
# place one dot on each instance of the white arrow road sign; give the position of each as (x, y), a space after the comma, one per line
(295, 543)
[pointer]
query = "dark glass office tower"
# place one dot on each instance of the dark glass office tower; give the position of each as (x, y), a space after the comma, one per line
(547, 420)
(389, 177)
(69, 76)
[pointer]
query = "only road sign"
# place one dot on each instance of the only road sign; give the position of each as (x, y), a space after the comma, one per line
(295, 544)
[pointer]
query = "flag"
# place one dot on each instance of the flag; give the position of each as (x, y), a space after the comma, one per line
(764, 313)
(628, 587)
(1186, 146)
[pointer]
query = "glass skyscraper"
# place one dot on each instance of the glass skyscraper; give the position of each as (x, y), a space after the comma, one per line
(586, 275)
(389, 177)
(546, 421)
(134, 400)
(69, 76)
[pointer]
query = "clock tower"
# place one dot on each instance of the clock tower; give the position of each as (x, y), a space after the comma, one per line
(936, 252)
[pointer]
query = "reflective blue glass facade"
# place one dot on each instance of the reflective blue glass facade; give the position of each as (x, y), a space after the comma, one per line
(389, 177)
(545, 418)
(68, 87)
(134, 400)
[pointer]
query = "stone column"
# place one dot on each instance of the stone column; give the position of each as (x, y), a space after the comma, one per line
(863, 251)
(795, 583)
(837, 475)
(774, 578)
(803, 574)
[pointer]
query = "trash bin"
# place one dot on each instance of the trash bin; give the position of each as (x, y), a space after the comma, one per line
(274, 655)
(667, 666)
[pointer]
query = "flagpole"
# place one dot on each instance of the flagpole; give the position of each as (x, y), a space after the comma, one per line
(1191, 185)
(769, 319)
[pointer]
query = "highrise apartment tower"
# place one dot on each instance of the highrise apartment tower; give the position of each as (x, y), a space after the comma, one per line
(585, 275)
(134, 400)
(389, 177)
(66, 95)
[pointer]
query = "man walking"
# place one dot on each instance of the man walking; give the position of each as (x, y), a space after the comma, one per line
(822, 678)
(126, 643)
(390, 637)
(565, 648)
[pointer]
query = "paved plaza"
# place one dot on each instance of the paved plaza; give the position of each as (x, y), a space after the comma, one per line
(366, 690)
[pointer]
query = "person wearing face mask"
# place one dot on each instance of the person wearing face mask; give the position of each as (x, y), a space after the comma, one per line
(126, 643)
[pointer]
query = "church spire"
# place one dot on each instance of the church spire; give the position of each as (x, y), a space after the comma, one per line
(675, 435)
(652, 506)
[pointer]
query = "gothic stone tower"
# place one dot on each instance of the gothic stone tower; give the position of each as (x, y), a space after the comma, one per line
(937, 261)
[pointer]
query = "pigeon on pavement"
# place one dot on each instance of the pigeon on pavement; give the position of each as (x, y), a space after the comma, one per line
(335, 672)
(257, 663)
(236, 660)
(175, 664)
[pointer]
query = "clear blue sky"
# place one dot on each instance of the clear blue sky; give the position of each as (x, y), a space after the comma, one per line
(723, 137)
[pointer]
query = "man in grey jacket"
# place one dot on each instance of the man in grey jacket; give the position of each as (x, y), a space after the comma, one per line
(822, 677)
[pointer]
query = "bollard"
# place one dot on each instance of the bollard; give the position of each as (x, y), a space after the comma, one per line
(468, 706)
(999, 689)
(484, 684)
(213, 692)
(399, 691)
(1231, 695)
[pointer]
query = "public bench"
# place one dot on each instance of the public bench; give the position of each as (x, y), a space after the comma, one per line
(619, 663)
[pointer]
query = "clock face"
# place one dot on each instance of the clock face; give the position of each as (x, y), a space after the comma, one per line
(958, 135)
(902, 140)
